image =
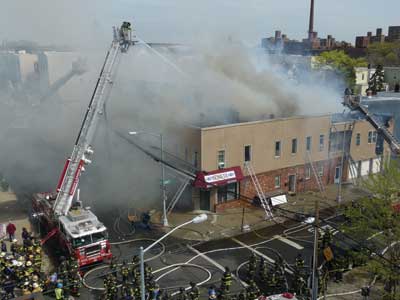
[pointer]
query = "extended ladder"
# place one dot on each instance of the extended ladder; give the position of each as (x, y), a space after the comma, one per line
(264, 202)
(321, 186)
(178, 194)
(74, 166)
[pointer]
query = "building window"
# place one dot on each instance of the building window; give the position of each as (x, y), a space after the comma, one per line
(227, 192)
(277, 181)
(221, 159)
(358, 139)
(321, 170)
(308, 143)
(372, 136)
(307, 172)
(294, 146)
(321, 142)
(247, 153)
(277, 148)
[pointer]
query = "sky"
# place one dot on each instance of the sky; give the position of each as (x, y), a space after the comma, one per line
(79, 22)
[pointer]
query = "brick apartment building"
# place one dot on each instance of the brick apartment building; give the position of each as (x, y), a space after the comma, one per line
(280, 152)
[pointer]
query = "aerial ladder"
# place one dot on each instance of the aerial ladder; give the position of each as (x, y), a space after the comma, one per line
(79, 229)
(354, 103)
(74, 165)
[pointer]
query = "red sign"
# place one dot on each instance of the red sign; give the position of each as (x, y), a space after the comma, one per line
(221, 177)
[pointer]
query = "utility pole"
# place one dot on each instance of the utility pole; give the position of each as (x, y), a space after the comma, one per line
(339, 195)
(164, 195)
(314, 279)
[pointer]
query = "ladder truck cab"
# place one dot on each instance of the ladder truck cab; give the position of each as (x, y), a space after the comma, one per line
(78, 231)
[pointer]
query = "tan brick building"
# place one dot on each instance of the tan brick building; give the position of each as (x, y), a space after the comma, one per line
(280, 152)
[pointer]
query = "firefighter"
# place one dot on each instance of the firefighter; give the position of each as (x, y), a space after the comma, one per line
(156, 293)
(136, 293)
(3, 246)
(26, 289)
(73, 265)
(253, 292)
(124, 271)
(263, 272)
(28, 268)
(113, 266)
(9, 286)
(37, 260)
(148, 272)
(76, 285)
(299, 262)
(36, 288)
(62, 268)
(182, 294)
(326, 239)
(252, 266)
(212, 295)
(194, 293)
(59, 292)
(226, 281)
(242, 296)
(14, 247)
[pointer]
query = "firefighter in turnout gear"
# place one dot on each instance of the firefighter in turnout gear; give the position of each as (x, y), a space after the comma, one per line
(263, 271)
(226, 281)
(253, 292)
(299, 262)
(252, 266)
(76, 285)
(125, 271)
(113, 266)
(326, 239)
(194, 291)
(182, 294)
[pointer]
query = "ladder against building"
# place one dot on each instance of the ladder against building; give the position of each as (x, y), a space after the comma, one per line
(321, 186)
(178, 194)
(260, 193)
(353, 169)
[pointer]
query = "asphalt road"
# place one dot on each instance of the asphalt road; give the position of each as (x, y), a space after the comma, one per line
(204, 262)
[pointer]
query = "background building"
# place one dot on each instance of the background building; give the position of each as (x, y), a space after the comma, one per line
(283, 153)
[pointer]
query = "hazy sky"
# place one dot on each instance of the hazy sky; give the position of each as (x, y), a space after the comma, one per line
(75, 21)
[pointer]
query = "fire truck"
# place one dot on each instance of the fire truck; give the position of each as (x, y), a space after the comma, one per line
(61, 214)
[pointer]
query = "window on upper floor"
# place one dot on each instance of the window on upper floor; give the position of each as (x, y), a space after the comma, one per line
(247, 153)
(294, 146)
(277, 148)
(358, 139)
(308, 143)
(221, 159)
(321, 142)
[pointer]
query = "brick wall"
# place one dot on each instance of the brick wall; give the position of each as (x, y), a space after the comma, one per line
(231, 204)
(267, 180)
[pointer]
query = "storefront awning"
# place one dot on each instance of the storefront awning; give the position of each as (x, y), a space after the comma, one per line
(221, 177)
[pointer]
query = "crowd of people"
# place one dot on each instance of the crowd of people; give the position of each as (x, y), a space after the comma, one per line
(20, 264)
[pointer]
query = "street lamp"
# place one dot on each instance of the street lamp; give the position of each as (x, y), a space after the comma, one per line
(196, 220)
(163, 193)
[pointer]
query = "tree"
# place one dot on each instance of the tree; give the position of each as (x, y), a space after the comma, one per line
(386, 54)
(375, 84)
(341, 62)
(374, 216)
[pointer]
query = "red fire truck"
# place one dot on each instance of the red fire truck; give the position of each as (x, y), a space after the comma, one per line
(76, 228)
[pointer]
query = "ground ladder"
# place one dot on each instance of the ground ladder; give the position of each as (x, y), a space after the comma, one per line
(260, 193)
(321, 186)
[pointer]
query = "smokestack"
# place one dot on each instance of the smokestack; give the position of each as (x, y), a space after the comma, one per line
(311, 25)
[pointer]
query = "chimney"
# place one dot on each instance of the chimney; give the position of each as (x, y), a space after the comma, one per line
(311, 24)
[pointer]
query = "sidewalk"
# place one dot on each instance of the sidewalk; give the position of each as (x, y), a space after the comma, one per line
(229, 223)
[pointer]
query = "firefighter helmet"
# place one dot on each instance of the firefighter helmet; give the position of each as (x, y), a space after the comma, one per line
(28, 263)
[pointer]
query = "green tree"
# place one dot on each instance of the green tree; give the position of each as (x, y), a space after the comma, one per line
(386, 54)
(375, 84)
(374, 216)
(342, 63)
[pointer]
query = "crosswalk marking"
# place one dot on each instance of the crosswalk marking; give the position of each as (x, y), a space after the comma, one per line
(210, 260)
(258, 253)
(289, 242)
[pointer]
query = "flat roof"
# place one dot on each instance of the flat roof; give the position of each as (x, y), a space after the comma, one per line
(267, 121)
